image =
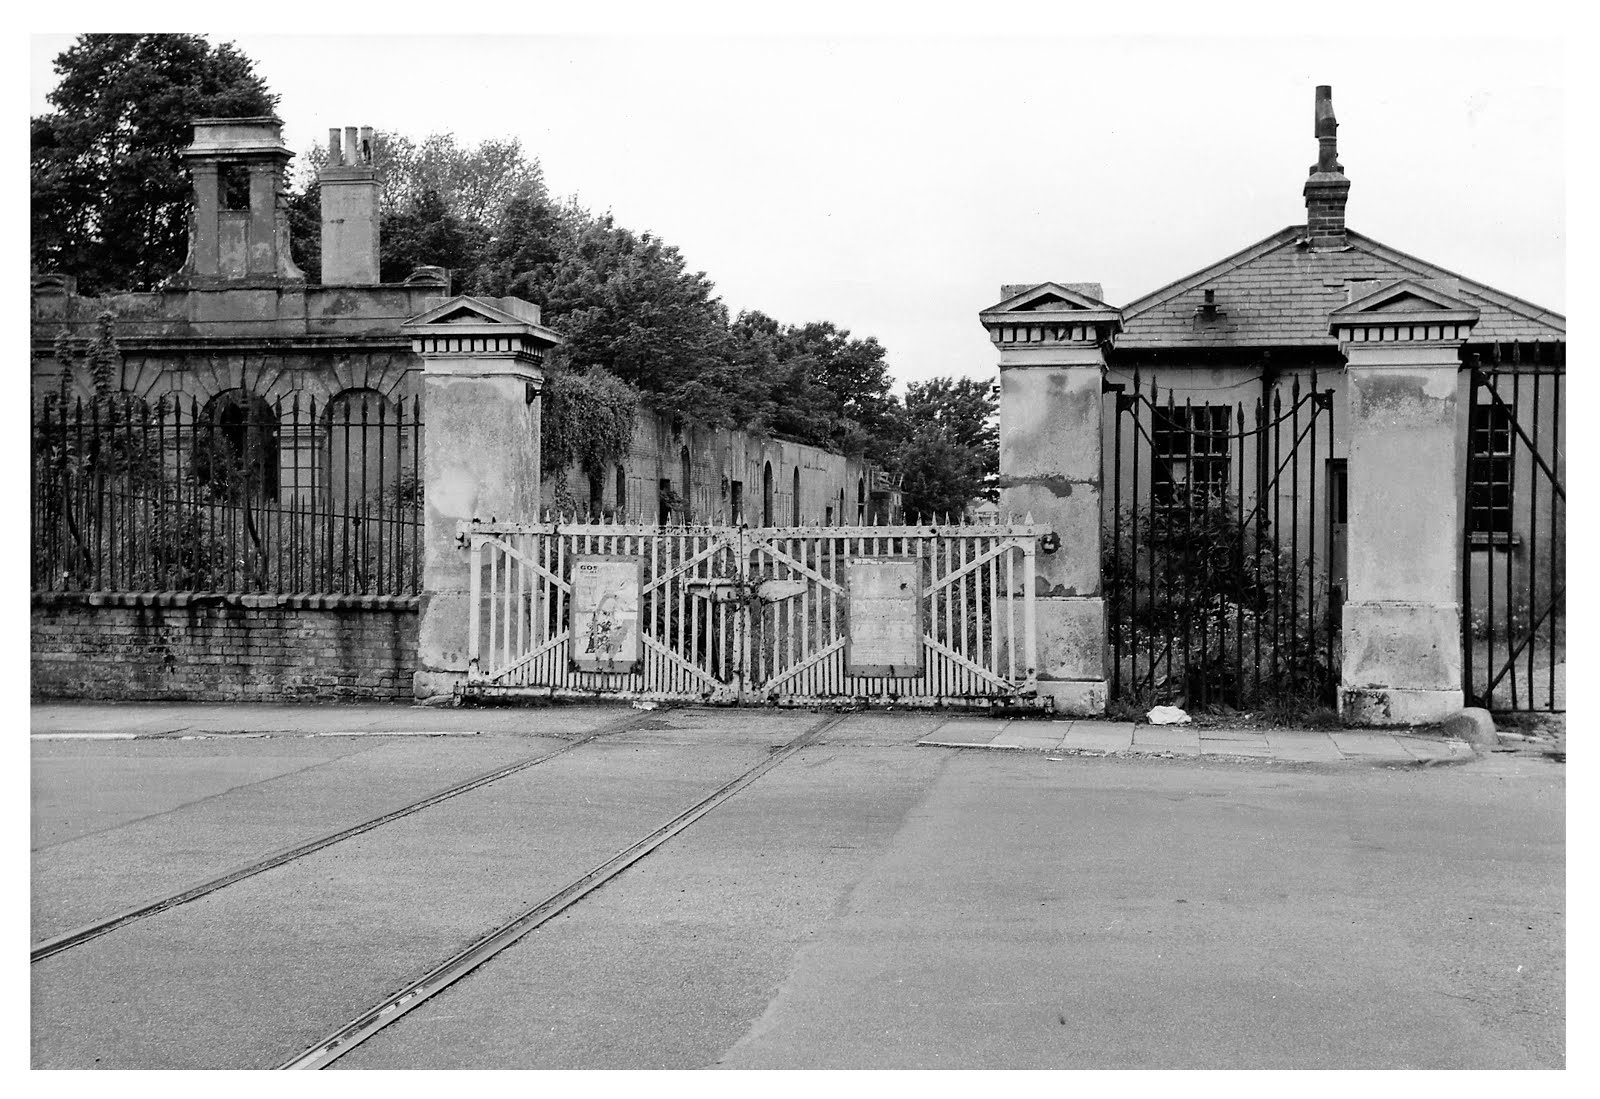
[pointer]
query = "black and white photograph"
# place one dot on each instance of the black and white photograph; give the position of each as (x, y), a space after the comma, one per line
(644, 541)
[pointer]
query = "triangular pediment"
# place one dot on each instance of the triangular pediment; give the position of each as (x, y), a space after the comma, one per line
(464, 317)
(1409, 296)
(464, 309)
(1049, 297)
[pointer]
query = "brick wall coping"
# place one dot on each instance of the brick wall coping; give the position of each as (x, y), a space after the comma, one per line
(220, 599)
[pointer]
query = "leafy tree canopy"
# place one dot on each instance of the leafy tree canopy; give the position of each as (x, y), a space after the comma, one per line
(110, 200)
(952, 453)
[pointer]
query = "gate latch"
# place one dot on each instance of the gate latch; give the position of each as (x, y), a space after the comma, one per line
(771, 590)
(718, 590)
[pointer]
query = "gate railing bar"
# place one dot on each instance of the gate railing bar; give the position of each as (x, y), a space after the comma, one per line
(1526, 638)
(1557, 535)
(1533, 541)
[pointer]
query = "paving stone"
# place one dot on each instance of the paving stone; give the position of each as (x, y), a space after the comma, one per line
(1302, 746)
(1232, 734)
(967, 730)
(1369, 745)
(1434, 747)
(1026, 736)
(1099, 736)
(1166, 739)
(1212, 746)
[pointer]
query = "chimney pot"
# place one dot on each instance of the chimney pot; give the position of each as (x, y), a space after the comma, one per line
(1327, 189)
(349, 190)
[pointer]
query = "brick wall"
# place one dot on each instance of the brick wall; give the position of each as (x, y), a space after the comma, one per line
(263, 648)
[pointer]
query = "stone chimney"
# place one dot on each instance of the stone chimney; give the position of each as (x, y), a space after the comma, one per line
(1327, 189)
(349, 186)
(239, 228)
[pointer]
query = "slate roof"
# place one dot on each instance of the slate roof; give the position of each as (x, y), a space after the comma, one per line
(1277, 293)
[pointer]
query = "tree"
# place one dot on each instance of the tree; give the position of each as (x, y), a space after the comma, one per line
(628, 304)
(429, 232)
(952, 455)
(110, 200)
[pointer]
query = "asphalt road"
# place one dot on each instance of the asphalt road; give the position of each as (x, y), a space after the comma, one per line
(866, 903)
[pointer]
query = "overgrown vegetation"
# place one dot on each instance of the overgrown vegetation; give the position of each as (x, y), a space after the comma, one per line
(587, 422)
(1207, 610)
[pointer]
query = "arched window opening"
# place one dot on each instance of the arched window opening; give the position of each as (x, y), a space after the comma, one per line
(796, 508)
(686, 475)
(622, 495)
(597, 495)
(235, 451)
(766, 495)
(861, 500)
(840, 512)
(364, 463)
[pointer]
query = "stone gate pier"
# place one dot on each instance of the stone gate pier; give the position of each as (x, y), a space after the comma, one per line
(1052, 339)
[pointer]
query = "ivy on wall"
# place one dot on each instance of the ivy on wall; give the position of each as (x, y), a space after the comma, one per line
(587, 421)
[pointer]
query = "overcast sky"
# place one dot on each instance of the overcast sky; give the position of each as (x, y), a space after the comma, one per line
(891, 184)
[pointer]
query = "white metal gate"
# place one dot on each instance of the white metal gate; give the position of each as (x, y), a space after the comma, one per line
(926, 615)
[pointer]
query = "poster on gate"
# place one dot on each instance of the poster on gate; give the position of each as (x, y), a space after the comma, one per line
(604, 613)
(884, 635)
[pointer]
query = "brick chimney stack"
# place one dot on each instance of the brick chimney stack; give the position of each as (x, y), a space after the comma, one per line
(1327, 190)
(349, 185)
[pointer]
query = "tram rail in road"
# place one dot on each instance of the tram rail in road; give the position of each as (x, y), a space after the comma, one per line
(80, 935)
(364, 1026)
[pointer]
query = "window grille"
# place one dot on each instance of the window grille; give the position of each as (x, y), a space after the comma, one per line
(1489, 470)
(1190, 472)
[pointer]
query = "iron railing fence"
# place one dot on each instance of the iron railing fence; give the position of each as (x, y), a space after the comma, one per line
(236, 496)
(1217, 550)
(1513, 590)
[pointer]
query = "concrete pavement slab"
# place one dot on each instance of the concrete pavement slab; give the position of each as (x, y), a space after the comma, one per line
(1216, 746)
(1166, 738)
(1209, 732)
(1302, 746)
(1099, 736)
(1434, 748)
(1367, 745)
(1031, 735)
(960, 732)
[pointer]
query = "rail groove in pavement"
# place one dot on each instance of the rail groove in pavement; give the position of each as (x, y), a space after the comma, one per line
(78, 936)
(364, 1026)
